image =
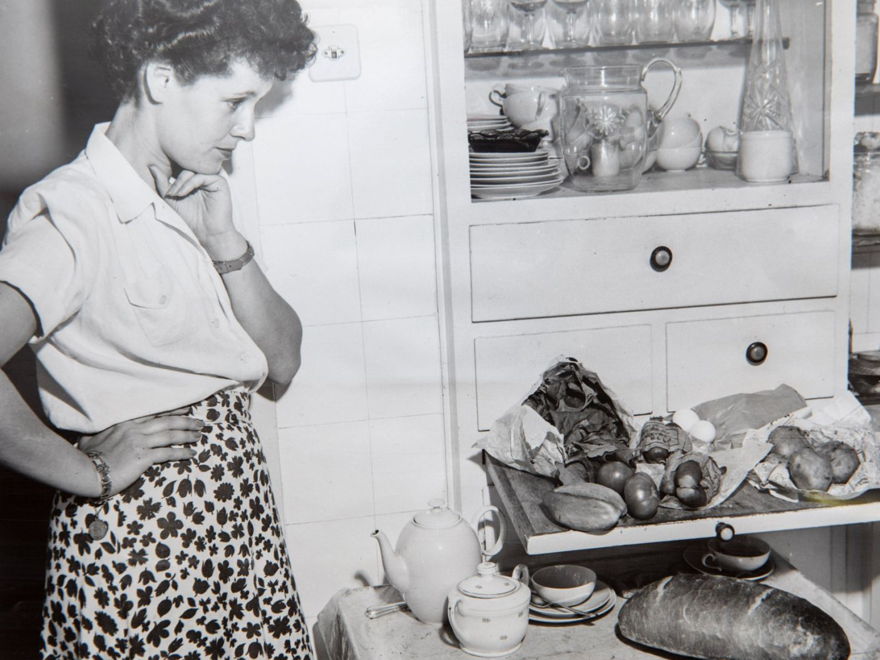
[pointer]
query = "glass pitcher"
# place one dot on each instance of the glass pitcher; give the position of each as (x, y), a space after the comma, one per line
(606, 124)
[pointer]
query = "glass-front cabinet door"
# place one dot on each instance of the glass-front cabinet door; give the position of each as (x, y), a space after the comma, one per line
(652, 193)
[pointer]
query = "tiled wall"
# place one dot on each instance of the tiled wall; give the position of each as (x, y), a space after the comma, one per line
(343, 185)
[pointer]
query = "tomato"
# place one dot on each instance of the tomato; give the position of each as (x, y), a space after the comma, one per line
(641, 496)
(695, 496)
(688, 475)
(614, 475)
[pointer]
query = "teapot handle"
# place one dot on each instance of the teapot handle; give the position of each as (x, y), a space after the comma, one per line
(502, 528)
(496, 97)
(676, 86)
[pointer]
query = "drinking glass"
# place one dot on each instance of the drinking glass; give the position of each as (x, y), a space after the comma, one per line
(489, 25)
(654, 21)
(613, 21)
(569, 24)
(694, 19)
(740, 17)
(527, 24)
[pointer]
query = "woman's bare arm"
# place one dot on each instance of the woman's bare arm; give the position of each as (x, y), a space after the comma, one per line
(28, 446)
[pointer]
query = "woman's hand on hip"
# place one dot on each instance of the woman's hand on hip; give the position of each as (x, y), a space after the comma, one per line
(129, 448)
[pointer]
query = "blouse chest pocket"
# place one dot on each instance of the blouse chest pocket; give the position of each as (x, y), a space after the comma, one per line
(159, 307)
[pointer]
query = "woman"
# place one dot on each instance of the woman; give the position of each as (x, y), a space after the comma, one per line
(152, 324)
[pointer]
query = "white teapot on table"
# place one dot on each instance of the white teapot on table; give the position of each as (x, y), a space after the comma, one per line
(435, 551)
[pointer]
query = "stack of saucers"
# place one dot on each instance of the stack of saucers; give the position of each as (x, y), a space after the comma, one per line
(509, 175)
(600, 602)
(488, 123)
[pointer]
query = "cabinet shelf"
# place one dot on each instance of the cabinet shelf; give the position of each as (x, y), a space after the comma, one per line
(700, 178)
(549, 61)
(748, 511)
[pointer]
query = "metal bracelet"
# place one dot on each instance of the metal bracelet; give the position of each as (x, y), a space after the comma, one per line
(103, 472)
(235, 264)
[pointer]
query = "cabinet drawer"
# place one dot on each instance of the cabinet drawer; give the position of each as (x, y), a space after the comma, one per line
(710, 359)
(569, 267)
(508, 367)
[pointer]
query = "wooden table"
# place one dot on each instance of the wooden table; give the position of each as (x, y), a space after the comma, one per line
(343, 632)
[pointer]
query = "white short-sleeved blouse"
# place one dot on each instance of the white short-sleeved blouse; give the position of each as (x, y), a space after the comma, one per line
(133, 318)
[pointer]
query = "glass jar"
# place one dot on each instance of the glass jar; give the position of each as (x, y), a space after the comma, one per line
(605, 124)
(866, 183)
(866, 41)
(767, 148)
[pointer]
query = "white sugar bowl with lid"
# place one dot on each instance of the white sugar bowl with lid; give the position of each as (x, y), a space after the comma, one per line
(489, 612)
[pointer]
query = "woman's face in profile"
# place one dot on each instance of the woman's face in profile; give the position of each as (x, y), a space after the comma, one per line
(202, 122)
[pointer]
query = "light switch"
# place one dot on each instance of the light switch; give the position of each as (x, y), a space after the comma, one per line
(338, 56)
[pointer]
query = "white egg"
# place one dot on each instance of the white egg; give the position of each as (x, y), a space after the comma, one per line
(685, 418)
(703, 430)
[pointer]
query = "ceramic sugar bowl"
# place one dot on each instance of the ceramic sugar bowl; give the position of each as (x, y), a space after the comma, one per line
(489, 612)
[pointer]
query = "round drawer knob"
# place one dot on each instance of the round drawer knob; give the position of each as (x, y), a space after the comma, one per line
(756, 353)
(661, 258)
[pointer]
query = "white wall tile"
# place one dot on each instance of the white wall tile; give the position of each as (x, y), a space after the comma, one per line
(390, 163)
(329, 556)
(392, 52)
(396, 262)
(327, 472)
(408, 462)
(403, 367)
(303, 96)
(314, 267)
(330, 387)
(302, 168)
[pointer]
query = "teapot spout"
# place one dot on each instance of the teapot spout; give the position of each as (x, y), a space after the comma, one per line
(395, 567)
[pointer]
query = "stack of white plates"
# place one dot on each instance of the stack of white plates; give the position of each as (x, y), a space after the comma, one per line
(600, 602)
(489, 123)
(496, 175)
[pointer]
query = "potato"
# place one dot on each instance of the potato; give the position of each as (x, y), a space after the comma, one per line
(844, 460)
(786, 440)
(808, 470)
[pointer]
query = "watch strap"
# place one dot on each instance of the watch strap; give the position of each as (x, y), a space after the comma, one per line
(232, 265)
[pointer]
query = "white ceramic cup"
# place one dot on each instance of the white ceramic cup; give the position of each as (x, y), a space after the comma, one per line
(766, 156)
(742, 554)
(531, 107)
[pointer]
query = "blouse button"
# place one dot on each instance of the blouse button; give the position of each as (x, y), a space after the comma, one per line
(97, 529)
(163, 299)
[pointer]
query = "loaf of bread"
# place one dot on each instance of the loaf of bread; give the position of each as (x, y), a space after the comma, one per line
(707, 616)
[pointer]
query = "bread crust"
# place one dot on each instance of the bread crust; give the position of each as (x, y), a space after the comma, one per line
(707, 616)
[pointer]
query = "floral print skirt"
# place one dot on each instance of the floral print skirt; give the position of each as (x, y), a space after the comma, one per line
(188, 563)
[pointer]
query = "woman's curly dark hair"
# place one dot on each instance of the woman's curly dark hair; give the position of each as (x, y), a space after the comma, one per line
(200, 37)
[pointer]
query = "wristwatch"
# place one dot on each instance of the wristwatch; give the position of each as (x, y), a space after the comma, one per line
(232, 265)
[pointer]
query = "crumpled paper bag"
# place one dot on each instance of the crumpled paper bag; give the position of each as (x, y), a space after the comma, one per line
(843, 419)
(523, 439)
(734, 415)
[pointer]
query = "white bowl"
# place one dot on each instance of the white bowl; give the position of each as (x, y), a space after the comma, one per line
(679, 132)
(564, 584)
(678, 159)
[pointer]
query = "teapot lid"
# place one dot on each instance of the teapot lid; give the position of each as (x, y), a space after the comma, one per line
(488, 582)
(437, 517)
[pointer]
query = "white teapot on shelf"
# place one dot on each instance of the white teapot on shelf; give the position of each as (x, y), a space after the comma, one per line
(435, 551)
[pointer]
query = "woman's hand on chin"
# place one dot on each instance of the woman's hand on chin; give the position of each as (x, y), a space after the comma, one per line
(205, 204)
